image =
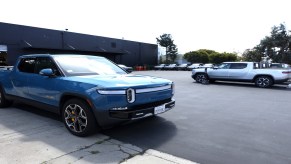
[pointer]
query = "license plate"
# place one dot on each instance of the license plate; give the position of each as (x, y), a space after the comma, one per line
(159, 109)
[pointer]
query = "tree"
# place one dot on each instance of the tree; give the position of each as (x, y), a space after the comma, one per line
(205, 56)
(166, 40)
(196, 57)
(277, 45)
(253, 55)
(173, 52)
(208, 51)
(218, 58)
(229, 56)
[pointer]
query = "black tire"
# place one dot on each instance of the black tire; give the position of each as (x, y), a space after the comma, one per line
(264, 81)
(79, 118)
(3, 101)
(199, 78)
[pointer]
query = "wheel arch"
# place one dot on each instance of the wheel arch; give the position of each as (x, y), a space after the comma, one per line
(3, 90)
(254, 79)
(67, 96)
(199, 73)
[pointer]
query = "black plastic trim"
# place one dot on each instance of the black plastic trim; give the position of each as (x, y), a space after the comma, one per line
(34, 103)
(139, 113)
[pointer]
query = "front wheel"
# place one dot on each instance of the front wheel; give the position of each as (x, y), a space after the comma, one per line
(79, 118)
(3, 101)
(264, 81)
(199, 78)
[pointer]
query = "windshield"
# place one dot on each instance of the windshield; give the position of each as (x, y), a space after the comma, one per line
(77, 65)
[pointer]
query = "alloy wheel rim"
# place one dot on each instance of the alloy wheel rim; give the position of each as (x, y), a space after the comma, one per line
(200, 78)
(75, 118)
(263, 82)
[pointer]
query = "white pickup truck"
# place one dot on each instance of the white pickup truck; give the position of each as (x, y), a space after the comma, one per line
(242, 72)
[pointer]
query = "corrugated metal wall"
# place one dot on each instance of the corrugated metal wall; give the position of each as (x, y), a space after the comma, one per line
(22, 40)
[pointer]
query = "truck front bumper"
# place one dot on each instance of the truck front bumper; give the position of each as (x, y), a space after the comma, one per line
(139, 113)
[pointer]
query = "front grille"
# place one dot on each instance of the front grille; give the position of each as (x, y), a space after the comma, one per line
(149, 105)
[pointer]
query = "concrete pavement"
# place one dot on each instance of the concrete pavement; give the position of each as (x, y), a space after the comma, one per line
(28, 135)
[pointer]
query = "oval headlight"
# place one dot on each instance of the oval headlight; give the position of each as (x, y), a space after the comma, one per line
(130, 95)
(173, 88)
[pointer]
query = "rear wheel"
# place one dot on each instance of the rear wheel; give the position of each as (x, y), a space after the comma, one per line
(3, 101)
(199, 78)
(264, 81)
(78, 118)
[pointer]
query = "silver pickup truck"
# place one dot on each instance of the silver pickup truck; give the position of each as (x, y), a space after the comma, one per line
(242, 72)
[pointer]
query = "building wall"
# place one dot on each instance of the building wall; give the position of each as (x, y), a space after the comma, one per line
(21, 40)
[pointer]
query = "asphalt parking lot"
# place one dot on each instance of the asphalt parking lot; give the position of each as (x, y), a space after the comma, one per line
(211, 124)
(218, 123)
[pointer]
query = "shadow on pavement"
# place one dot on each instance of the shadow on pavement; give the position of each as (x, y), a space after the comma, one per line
(249, 85)
(38, 111)
(147, 133)
(24, 128)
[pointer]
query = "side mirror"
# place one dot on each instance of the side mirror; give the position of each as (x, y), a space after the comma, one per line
(47, 72)
(215, 67)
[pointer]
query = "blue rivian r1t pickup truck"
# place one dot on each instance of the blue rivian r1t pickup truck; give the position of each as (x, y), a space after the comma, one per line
(89, 92)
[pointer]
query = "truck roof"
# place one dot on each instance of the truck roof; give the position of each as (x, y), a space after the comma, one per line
(52, 55)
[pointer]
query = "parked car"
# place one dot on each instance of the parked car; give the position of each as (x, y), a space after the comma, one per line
(243, 72)
(126, 68)
(170, 67)
(207, 65)
(182, 67)
(89, 92)
(159, 67)
(194, 66)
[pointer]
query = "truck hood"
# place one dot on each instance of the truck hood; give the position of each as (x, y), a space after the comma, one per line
(120, 81)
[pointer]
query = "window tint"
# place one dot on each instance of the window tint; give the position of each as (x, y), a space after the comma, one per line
(256, 65)
(224, 66)
(27, 65)
(238, 65)
(44, 63)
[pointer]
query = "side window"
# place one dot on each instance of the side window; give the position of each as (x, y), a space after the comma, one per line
(238, 65)
(224, 66)
(256, 66)
(27, 65)
(44, 63)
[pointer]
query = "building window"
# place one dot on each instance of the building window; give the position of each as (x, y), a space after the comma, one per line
(3, 55)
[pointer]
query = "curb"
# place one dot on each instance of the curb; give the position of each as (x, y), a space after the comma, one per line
(153, 156)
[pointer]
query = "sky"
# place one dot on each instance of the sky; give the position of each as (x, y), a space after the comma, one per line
(220, 25)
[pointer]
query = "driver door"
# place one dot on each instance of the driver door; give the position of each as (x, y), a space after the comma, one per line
(43, 88)
(219, 73)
